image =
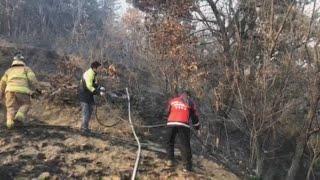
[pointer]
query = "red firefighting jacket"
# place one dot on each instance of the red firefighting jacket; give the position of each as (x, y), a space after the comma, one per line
(181, 110)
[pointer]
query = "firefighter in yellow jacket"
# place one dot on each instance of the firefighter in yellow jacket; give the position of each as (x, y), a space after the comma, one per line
(17, 86)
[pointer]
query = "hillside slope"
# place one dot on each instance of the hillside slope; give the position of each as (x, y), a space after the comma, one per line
(61, 152)
(51, 146)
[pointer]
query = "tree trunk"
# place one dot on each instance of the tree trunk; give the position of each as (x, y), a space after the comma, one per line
(303, 137)
(295, 163)
(270, 173)
(8, 18)
(314, 159)
(259, 159)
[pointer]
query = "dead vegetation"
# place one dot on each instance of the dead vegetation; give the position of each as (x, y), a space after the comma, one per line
(55, 149)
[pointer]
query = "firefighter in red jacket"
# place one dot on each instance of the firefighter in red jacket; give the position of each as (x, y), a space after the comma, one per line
(181, 110)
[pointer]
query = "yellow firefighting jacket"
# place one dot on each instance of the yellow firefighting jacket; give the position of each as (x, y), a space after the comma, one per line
(88, 86)
(19, 78)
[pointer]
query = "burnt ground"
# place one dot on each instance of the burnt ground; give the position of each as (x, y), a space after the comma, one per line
(51, 146)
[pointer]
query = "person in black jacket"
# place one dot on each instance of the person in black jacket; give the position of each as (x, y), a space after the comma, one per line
(89, 88)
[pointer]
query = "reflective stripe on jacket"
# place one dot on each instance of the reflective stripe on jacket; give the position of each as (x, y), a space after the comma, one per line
(19, 78)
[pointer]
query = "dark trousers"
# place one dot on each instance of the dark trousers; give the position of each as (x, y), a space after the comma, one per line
(183, 134)
(87, 109)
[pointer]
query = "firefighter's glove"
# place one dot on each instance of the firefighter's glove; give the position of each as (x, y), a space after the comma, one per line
(102, 91)
(38, 91)
(101, 88)
(33, 95)
(197, 127)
